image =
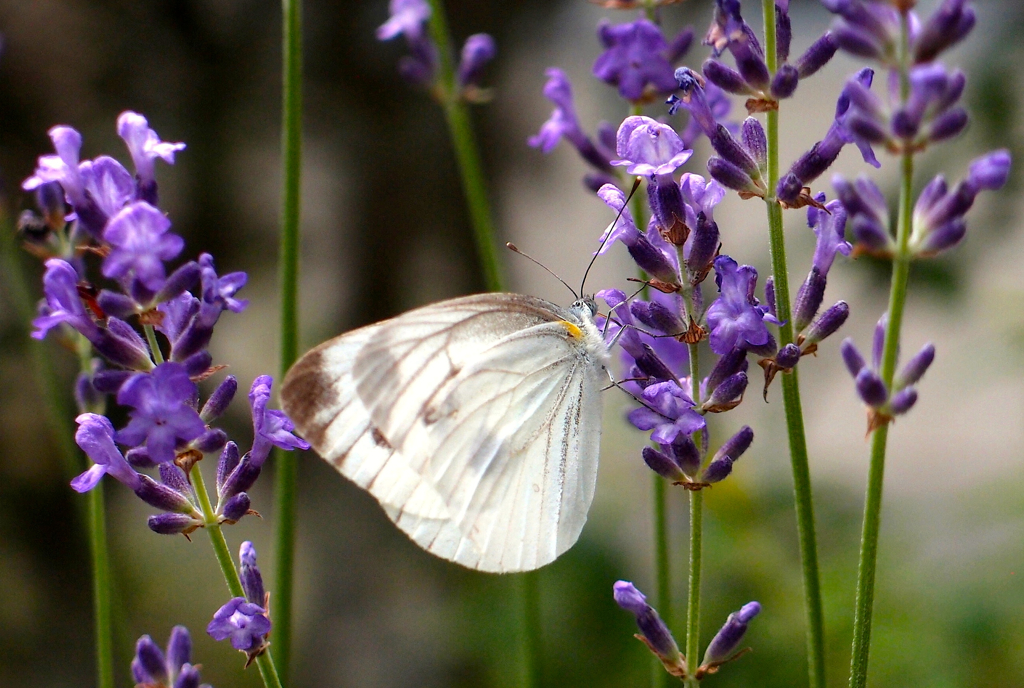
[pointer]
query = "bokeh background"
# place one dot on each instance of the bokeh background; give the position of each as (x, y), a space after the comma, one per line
(384, 229)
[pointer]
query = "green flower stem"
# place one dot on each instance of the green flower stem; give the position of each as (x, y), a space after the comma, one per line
(154, 345)
(696, 521)
(876, 472)
(286, 463)
(265, 662)
(791, 392)
(92, 513)
(466, 150)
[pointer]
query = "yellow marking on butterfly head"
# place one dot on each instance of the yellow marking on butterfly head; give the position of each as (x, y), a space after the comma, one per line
(574, 330)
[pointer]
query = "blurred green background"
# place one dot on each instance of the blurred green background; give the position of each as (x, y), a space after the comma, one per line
(384, 229)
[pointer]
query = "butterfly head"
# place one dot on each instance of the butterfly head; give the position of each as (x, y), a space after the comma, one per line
(585, 306)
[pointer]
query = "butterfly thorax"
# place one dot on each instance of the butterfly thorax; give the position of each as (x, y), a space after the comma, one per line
(584, 311)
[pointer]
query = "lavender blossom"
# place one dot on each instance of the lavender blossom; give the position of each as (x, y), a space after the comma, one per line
(478, 50)
(669, 412)
(720, 466)
(563, 123)
(63, 304)
(652, 359)
(868, 213)
(163, 415)
(63, 168)
(95, 435)
(829, 225)
(249, 573)
(270, 427)
(408, 18)
(245, 624)
(140, 244)
(647, 250)
(735, 318)
(145, 147)
(634, 59)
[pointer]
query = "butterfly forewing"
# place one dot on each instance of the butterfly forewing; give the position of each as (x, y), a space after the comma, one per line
(474, 422)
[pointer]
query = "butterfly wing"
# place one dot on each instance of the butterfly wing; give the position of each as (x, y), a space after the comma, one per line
(475, 422)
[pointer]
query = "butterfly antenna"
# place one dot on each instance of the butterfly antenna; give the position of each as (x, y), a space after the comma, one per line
(512, 247)
(608, 234)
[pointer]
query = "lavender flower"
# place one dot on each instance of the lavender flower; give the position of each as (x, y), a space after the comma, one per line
(868, 213)
(63, 304)
(647, 250)
(153, 669)
(270, 427)
(140, 244)
(408, 18)
(649, 148)
(63, 168)
(244, 619)
(735, 318)
(653, 631)
(829, 225)
(720, 466)
(478, 50)
(645, 356)
(669, 412)
(634, 59)
(95, 435)
(145, 147)
(564, 123)
(163, 415)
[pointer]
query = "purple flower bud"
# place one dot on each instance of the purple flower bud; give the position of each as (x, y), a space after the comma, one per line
(755, 142)
(871, 388)
(736, 445)
(788, 357)
(694, 99)
(241, 478)
(946, 27)
(180, 281)
(723, 646)
(162, 415)
(749, 59)
(666, 200)
(878, 341)
(915, 367)
(138, 457)
(679, 45)
(808, 299)
(179, 649)
(210, 441)
(652, 260)
(634, 58)
(703, 247)
(657, 316)
(173, 524)
(150, 661)
(121, 344)
(990, 171)
(188, 678)
(726, 395)
(728, 364)
(652, 628)
(851, 357)
(943, 237)
(718, 470)
(732, 177)
(769, 295)
(726, 78)
(95, 435)
(197, 364)
(730, 149)
(478, 50)
(948, 125)
(244, 623)
(119, 305)
(164, 497)
(783, 30)
(816, 56)
(218, 402)
(235, 508)
(827, 324)
(249, 573)
(662, 465)
(87, 397)
(902, 401)
(785, 81)
(686, 454)
(226, 464)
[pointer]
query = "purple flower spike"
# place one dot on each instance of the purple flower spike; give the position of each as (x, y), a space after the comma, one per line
(249, 573)
(140, 243)
(63, 304)
(653, 630)
(723, 646)
(478, 50)
(270, 427)
(669, 413)
(564, 123)
(163, 415)
(151, 667)
(95, 435)
(649, 147)
(634, 59)
(145, 147)
(734, 318)
(244, 623)
(407, 18)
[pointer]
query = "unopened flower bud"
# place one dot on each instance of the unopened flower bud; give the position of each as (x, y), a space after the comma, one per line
(916, 367)
(723, 646)
(663, 465)
(826, 324)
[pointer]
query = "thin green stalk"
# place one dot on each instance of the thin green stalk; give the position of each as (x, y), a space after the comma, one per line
(265, 662)
(466, 150)
(696, 521)
(876, 473)
(802, 496)
(92, 513)
(286, 463)
(154, 345)
(532, 676)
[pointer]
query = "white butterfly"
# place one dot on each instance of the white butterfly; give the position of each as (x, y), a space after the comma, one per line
(475, 422)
